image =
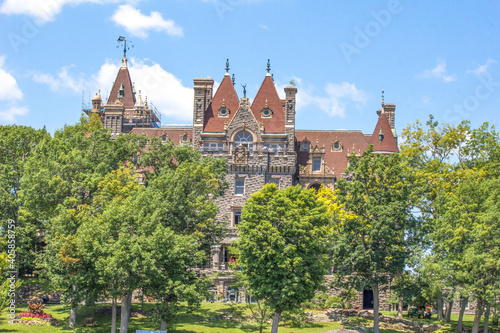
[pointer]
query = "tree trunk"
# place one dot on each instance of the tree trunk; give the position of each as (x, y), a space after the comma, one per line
(163, 325)
(478, 315)
(113, 316)
(461, 315)
(72, 312)
(125, 312)
(400, 307)
(486, 318)
(376, 328)
(72, 317)
(276, 321)
(449, 307)
(439, 304)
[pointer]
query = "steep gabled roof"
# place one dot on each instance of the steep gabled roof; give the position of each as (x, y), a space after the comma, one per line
(267, 93)
(225, 94)
(122, 78)
(388, 143)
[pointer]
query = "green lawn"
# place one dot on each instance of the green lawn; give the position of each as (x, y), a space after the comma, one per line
(194, 322)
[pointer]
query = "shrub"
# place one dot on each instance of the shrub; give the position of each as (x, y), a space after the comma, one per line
(32, 315)
(35, 307)
(334, 302)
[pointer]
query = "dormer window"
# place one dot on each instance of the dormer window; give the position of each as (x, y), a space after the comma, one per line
(336, 146)
(266, 112)
(223, 110)
(316, 164)
(305, 145)
(185, 138)
(164, 138)
(121, 91)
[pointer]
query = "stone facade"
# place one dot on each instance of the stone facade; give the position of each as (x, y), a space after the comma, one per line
(259, 140)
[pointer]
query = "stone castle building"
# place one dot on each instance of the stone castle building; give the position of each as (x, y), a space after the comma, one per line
(257, 136)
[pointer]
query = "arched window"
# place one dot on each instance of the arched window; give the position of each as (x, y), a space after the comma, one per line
(244, 138)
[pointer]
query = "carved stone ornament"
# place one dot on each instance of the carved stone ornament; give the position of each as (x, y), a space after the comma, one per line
(240, 155)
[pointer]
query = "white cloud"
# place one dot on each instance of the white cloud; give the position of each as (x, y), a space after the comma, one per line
(139, 24)
(482, 69)
(163, 89)
(43, 10)
(10, 96)
(337, 97)
(263, 26)
(438, 72)
(62, 81)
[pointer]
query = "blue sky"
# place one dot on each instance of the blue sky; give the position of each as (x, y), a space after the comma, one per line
(438, 57)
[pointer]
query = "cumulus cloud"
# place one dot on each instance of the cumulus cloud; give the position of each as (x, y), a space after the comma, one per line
(162, 88)
(334, 101)
(62, 81)
(139, 24)
(482, 69)
(43, 10)
(10, 96)
(438, 72)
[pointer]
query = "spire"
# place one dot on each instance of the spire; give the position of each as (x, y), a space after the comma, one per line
(268, 66)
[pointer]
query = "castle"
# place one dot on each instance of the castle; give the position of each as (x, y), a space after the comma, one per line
(258, 138)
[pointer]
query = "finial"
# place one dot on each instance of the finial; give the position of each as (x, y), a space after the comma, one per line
(232, 79)
(244, 90)
(227, 65)
(122, 39)
(382, 99)
(268, 65)
(272, 77)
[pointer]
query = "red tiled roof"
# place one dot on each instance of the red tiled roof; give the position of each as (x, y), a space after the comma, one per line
(389, 143)
(336, 161)
(128, 97)
(224, 94)
(267, 91)
(174, 134)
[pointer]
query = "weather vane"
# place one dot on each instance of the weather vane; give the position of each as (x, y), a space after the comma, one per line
(122, 40)
(244, 90)
(268, 65)
(227, 65)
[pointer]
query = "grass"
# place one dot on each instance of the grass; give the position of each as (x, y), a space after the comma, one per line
(194, 322)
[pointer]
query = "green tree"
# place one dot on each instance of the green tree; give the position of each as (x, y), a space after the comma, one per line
(17, 143)
(377, 243)
(283, 247)
(60, 180)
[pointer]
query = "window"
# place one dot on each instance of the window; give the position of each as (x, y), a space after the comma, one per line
(239, 186)
(164, 138)
(236, 217)
(316, 164)
(223, 112)
(245, 139)
(277, 148)
(266, 113)
(213, 147)
(185, 138)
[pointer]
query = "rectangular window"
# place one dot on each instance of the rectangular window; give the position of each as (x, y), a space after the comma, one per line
(213, 147)
(316, 164)
(278, 149)
(236, 217)
(239, 186)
